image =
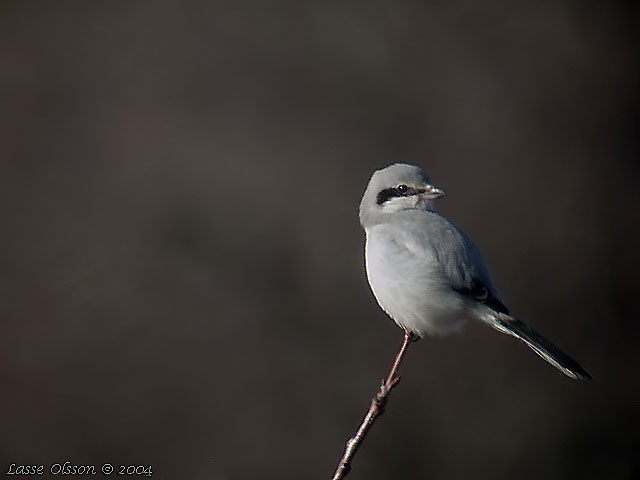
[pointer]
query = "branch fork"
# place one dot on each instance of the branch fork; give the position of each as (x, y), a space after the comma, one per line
(378, 402)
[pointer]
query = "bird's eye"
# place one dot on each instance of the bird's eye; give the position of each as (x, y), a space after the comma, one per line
(402, 188)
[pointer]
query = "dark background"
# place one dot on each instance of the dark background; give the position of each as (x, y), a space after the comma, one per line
(181, 269)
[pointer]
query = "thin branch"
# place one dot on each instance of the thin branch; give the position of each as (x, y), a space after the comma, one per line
(375, 410)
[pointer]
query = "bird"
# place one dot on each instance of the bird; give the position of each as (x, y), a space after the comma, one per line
(427, 274)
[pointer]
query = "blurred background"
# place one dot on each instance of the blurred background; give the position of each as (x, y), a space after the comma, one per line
(181, 263)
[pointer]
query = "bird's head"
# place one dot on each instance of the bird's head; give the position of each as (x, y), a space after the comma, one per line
(395, 188)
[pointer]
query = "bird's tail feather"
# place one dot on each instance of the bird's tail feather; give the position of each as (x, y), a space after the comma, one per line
(543, 347)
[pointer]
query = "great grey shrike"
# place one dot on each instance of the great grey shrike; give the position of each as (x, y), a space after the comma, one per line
(426, 274)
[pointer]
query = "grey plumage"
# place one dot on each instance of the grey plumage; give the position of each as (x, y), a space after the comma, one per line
(426, 273)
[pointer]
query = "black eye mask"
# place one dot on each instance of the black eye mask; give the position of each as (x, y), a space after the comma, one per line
(389, 193)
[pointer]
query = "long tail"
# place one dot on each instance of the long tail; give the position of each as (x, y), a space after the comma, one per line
(540, 345)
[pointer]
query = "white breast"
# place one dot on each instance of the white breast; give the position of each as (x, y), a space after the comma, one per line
(410, 285)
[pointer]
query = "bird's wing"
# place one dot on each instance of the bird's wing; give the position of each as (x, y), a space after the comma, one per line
(483, 295)
(461, 260)
(434, 236)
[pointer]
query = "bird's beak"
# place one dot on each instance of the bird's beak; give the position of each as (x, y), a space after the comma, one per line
(431, 192)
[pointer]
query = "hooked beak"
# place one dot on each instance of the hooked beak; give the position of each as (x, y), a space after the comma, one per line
(431, 192)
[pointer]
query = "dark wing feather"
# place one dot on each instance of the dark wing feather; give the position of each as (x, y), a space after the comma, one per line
(478, 291)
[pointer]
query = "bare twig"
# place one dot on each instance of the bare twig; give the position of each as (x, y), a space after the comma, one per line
(375, 410)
